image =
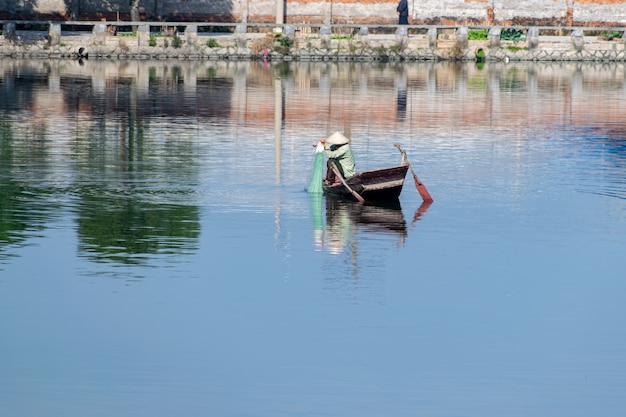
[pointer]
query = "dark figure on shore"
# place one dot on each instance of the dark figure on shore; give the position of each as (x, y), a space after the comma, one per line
(403, 12)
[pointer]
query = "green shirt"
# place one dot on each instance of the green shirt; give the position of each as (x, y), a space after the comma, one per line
(343, 155)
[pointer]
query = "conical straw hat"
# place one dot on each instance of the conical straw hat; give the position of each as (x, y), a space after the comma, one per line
(337, 139)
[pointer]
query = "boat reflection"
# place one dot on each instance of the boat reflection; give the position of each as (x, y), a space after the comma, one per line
(344, 220)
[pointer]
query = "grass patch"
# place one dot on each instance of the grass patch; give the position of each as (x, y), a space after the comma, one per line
(511, 35)
(285, 41)
(212, 43)
(516, 48)
(342, 37)
(609, 36)
(477, 35)
(284, 45)
(177, 41)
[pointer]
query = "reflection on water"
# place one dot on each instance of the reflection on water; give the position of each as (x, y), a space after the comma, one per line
(130, 147)
(238, 293)
(122, 229)
(346, 220)
(25, 210)
(135, 149)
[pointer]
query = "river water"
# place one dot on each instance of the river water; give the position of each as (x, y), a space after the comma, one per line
(159, 254)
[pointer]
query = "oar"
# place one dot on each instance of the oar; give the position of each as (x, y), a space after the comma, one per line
(421, 188)
(345, 184)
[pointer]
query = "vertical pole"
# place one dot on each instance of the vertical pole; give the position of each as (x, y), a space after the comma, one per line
(278, 127)
(280, 14)
(326, 19)
(331, 12)
(244, 12)
(54, 34)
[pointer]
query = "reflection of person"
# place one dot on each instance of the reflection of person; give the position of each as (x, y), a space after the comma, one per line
(339, 227)
(338, 151)
(403, 12)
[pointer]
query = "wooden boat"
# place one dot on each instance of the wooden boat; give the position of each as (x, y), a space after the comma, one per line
(377, 184)
(374, 185)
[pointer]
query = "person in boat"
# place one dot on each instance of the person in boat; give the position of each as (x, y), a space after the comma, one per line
(339, 153)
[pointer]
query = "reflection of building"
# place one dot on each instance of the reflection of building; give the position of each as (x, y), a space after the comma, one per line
(432, 94)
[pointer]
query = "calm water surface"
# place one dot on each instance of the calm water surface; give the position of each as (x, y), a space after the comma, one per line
(159, 255)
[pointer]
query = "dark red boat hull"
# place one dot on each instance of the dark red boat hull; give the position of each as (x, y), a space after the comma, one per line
(375, 185)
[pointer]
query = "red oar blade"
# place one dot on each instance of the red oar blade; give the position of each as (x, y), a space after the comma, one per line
(421, 188)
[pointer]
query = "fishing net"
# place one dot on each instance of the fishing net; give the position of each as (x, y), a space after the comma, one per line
(315, 186)
(318, 219)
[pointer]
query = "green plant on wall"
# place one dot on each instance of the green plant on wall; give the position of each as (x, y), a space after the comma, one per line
(514, 35)
(477, 35)
(285, 41)
(177, 41)
(609, 36)
(152, 41)
(284, 44)
(212, 43)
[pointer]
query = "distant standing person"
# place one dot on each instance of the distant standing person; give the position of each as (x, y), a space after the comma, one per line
(403, 12)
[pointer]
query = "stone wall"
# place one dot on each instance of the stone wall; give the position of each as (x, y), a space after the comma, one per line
(442, 12)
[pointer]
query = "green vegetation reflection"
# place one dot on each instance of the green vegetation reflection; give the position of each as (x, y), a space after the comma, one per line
(125, 230)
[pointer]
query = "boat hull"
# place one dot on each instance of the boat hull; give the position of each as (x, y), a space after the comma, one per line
(375, 185)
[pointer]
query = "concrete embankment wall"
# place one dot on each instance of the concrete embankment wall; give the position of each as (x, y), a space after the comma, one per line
(429, 43)
(431, 12)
